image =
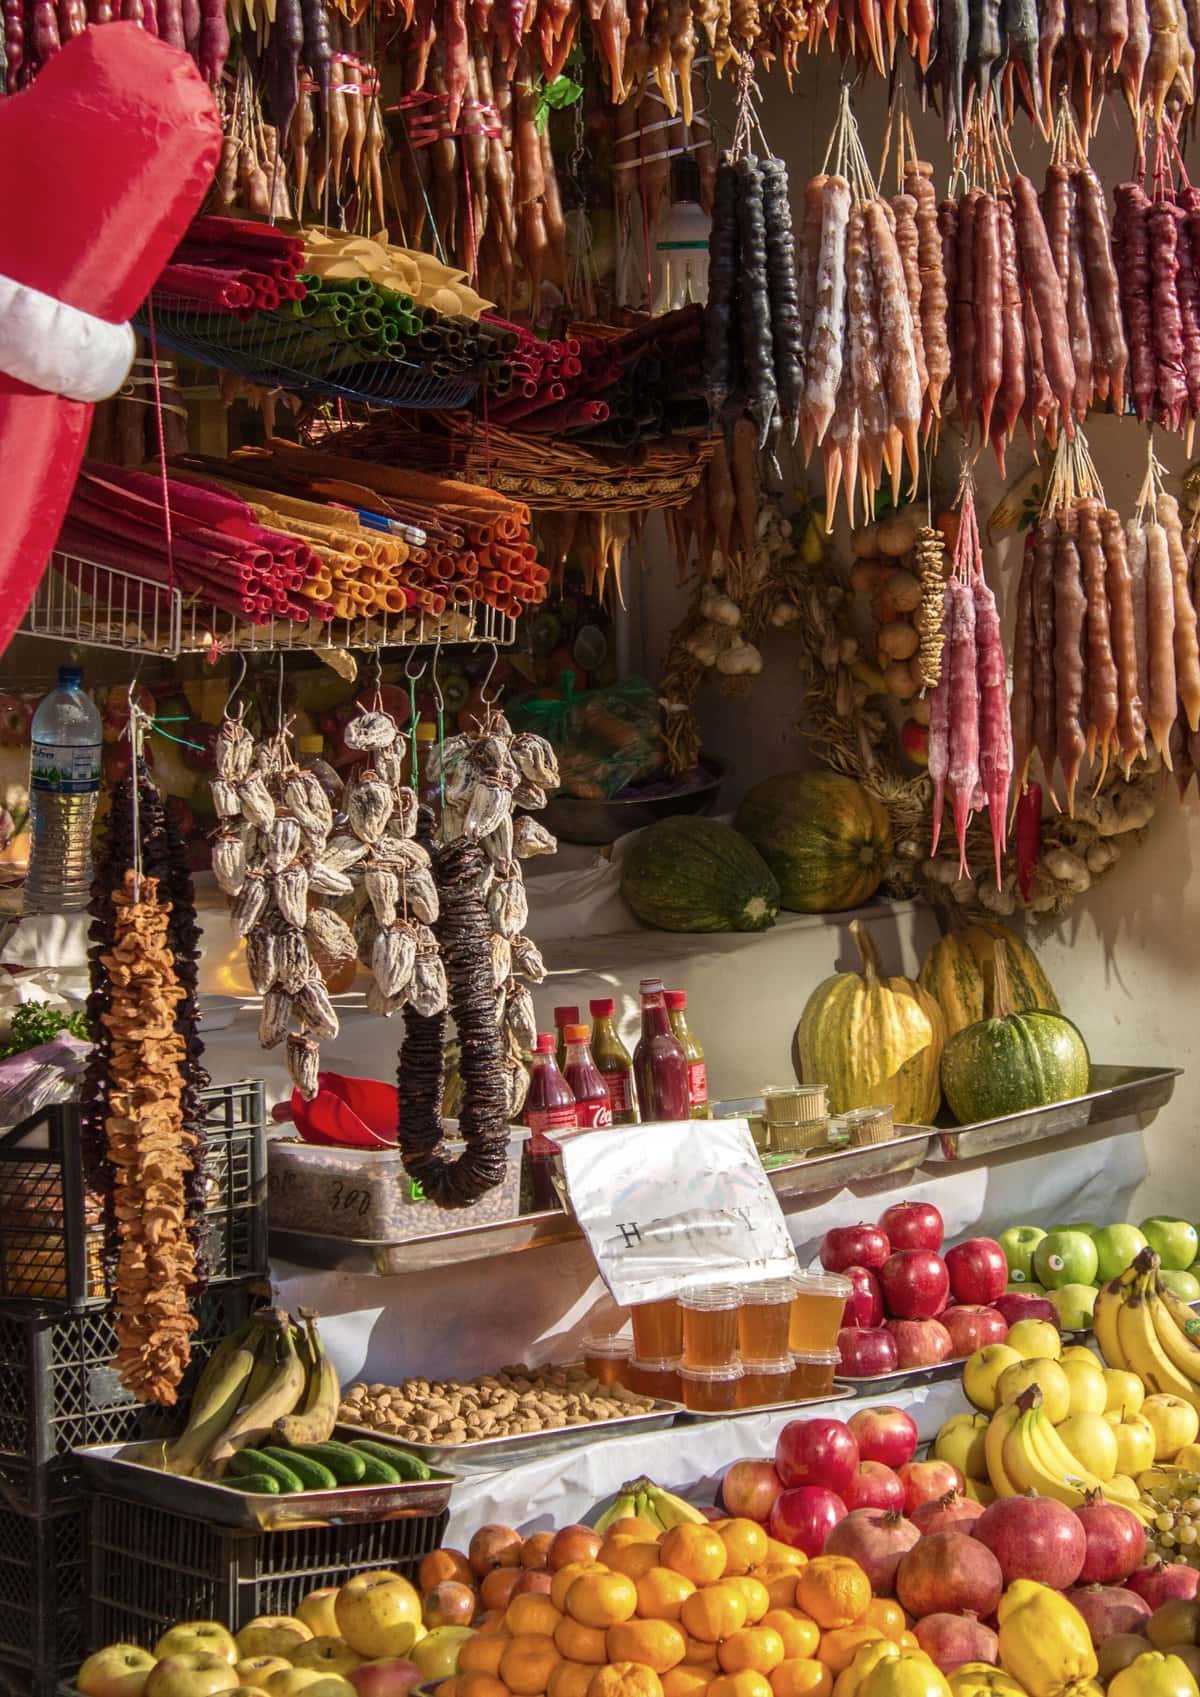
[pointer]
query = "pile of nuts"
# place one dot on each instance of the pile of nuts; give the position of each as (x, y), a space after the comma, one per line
(513, 1402)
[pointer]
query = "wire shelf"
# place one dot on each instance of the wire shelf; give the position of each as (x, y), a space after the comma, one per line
(134, 615)
(288, 353)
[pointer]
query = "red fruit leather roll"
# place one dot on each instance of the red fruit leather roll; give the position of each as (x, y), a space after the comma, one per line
(121, 137)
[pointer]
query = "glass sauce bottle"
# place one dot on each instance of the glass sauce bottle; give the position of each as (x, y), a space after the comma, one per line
(614, 1061)
(562, 1018)
(697, 1071)
(592, 1104)
(549, 1107)
(659, 1062)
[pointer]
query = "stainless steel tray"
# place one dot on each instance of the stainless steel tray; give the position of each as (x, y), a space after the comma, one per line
(809, 1405)
(129, 1471)
(900, 1154)
(423, 1254)
(1116, 1092)
(904, 1376)
(490, 1455)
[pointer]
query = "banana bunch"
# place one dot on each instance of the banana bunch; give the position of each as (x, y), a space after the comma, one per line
(270, 1379)
(1141, 1327)
(1026, 1453)
(642, 1499)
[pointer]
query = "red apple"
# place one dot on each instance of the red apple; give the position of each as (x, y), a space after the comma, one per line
(876, 1539)
(924, 1481)
(1109, 1609)
(978, 1270)
(816, 1452)
(866, 1351)
(805, 1517)
(921, 1343)
(913, 1225)
(391, 1676)
(750, 1490)
(862, 1245)
(1164, 1582)
(914, 740)
(864, 1305)
(1016, 1305)
(874, 1486)
(887, 1435)
(915, 1284)
(1116, 1542)
(1034, 1538)
(971, 1328)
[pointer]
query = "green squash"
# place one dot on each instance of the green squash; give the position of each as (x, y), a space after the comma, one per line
(689, 874)
(957, 969)
(1012, 1062)
(826, 840)
(872, 1041)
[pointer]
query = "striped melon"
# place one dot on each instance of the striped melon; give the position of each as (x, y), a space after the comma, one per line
(873, 1041)
(957, 973)
(826, 840)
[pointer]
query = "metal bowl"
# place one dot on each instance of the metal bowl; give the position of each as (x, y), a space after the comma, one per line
(599, 822)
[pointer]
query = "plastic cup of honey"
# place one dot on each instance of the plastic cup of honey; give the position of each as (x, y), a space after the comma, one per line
(607, 1359)
(711, 1390)
(710, 1326)
(764, 1319)
(818, 1300)
(764, 1382)
(812, 1373)
(657, 1329)
(655, 1378)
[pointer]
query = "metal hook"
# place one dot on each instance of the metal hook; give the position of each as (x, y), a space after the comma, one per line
(415, 654)
(279, 697)
(437, 682)
(241, 678)
(490, 700)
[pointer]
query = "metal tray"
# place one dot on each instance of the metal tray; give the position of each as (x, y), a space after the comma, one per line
(900, 1154)
(423, 1254)
(809, 1405)
(128, 1471)
(1116, 1092)
(490, 1455)
(904, 1376)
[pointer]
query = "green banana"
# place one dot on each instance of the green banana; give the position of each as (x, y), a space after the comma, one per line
(624, 1508)
(317, 1411)
(219, 1391)
(669, 1510)
(645, 1509)
(253, 1421)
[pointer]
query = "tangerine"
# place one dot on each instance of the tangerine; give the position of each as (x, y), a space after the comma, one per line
(602, 1599)
(657, 1644)
(531, 1614)
(482, 1654)
(490, 1625)
(625, 1679)
(570, 1679)
(581, 1643)
(634, 1526)
(757, 1648)
(566, 1577)
(840, 1646)
(481, 1685)
(834, 1590)
(661, 1594)
(447, 1688)
(784, 1555)
(633, 1559)
(443, 1565)
(497, 1588)
(758, 1598)
(695, 1551)
(802, 1679)
(687, 1681)
(800, 1634)
(887, 1617)
(712, 1614)
(612, 1544)
(536, 1548)
(527, 1664)
(745, 1545)
(744, 1684)
(781, 1585)
(698, 1652)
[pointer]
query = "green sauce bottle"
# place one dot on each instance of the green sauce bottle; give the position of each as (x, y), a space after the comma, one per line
(614, 1061)
(697, 1070)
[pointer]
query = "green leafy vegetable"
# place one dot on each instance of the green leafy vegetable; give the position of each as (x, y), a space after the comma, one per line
(555, 96)
(37, 1022)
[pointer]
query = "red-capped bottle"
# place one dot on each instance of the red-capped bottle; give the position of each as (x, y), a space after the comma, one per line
(614, 1061)
(697, 1070)
(549, 1107)
(659, 1061)
(592, 1105)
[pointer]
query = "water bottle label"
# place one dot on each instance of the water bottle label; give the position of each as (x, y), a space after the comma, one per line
(58, 769)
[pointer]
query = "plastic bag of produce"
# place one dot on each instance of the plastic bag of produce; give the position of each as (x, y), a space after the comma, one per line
(38, 1077)
(605, 739)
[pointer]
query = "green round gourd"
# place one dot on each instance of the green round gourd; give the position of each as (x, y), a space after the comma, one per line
(956, 970)
(691, 874)
(826, 840)
(1012, 1062)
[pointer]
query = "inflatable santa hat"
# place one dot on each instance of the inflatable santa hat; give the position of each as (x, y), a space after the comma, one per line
(104, 161)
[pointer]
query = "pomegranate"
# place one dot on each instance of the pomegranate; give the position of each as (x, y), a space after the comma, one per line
(913, 1225)
(874, 1486)
(924, 1480)
(1116, 1541)
(921, 1343)
(877, 1539)
(949, 1573)
(534, 1580)
(864, 1305)
(449, 1604)
(816, 1452)
(916, 1285)
(1164, 1582)
(805, 1518)
(1034, 1538)
(939, 1514)
(1108, 1609)
(751, 1489)
(951, 1640)
(884, 1434)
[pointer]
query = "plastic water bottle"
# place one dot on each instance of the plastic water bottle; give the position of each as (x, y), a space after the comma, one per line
(64, 784)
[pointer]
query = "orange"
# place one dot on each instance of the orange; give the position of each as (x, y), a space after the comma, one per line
(570, 1679)
(527, 1664)
(714, 1613)
(745, 1544)
(602, 1599)
(661, 1594)
(758, 1648)
(443, 1565)
(800, 1634)
(699, 1653)
(758, 1598)
(802, 1679)
(482, 1654)
(744, 1684)
(780, 1583)
(448, 1688)
(834, 1590)
(695, 1551)
(491, 1625)
(581, 1643)
(657, 1644)
(633, 1559)
(633, 1526)
(839, 1647)
(785, 1555)
(566, 1577)
(625, 1679)
(887, 1617)
(531, 1613)
(685, 1681)
(480, 1685)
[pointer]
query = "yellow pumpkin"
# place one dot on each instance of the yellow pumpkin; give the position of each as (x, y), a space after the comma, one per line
(1154, 1675)
(873, 1041)
(981, 1679)
(1044, 1641)
(910, 1674)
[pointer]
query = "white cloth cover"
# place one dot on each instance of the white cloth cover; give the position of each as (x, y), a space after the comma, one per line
(55, 347)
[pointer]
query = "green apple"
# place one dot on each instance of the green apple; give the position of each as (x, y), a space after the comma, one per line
(1175, 1242)
(1186, 1286)
(1029, 1288)
(1194, 1269)
(1075, 1304)
(1088, 1227)
(1117, 1248)
(1018, 1244)
(1065, 1258)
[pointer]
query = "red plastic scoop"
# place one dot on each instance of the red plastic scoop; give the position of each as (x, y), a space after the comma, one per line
(350, 1113)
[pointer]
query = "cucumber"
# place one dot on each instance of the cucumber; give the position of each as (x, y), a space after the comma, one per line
(251, 1464)
(312, 1475)
(410, 1468)
(257, 1484)
(346, 1465)
(376, 1472)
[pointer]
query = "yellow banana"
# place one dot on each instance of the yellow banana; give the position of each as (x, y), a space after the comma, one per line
(999, 1426)
(1031, 1470)
(670, 1510)
(1178, 1348)
(1104, 1322)
(1184, 1317)
(316, 1413)
(1145, 1354)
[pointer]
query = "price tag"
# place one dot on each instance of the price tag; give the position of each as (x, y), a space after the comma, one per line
(675, 1207)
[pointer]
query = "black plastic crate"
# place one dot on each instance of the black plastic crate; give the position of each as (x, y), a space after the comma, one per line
(150, 1567)
(60, 1391)
(51, 1230)
(43, 1579)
